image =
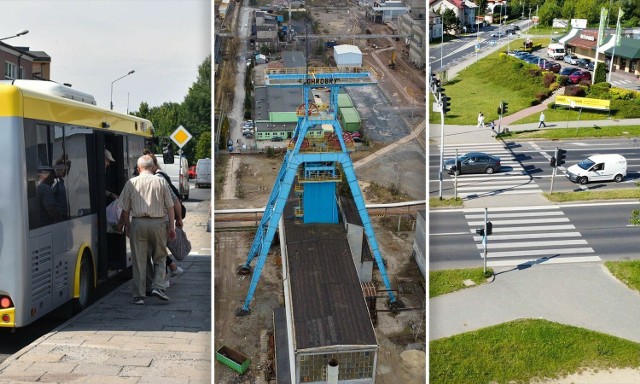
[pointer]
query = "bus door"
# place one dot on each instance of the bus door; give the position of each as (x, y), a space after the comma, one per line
(109, 178)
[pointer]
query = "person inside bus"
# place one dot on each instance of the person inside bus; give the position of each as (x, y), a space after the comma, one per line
(173, 268)
(108, 160)
(46, 200)
(146, 200)
(59, 189)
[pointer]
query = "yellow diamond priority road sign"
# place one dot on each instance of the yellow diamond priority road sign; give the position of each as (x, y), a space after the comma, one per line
(181, 136)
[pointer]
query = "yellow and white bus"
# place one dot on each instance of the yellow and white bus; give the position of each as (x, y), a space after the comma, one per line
(54, 188)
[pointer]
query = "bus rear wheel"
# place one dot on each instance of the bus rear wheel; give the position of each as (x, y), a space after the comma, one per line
(86, 285)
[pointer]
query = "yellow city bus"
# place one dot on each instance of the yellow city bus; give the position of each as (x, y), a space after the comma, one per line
(55, 185)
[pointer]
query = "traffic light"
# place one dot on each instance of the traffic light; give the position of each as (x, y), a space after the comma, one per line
(561, 156)
(445, 103)
(489, 228)
(505, 106)
(552, 162)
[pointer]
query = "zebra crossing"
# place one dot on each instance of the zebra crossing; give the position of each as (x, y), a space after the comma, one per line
(511, 180)
(529, 235)
(627, 84)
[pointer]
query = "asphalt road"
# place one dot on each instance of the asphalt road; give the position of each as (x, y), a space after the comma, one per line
(573, 233)
(526, 167)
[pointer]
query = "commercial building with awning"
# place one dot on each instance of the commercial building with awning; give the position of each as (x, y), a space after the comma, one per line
(625, 56)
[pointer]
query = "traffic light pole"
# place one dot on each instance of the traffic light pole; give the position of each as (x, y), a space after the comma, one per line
(441, 146)
(484, 242)
(553, 177)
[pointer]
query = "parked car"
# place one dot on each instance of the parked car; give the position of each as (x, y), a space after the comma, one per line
(532, 59)
(522, 54)
(192, 172)
(513, 53)
(473, 162)
(566, 71)
(571, 59)
(598, 167)
(204, 173)
(582, 63)
(277, 138)
(578, 76)
(550, 65)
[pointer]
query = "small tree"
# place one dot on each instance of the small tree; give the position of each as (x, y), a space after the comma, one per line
(450, 21)
(600, 74)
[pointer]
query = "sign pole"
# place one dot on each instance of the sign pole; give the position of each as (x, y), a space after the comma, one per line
(484, 243)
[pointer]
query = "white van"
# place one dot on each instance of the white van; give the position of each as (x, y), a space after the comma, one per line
(598, 168)
(203, 173)
(179, 176)
(556, 51)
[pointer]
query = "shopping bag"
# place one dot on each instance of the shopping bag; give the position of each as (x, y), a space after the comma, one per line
(180, 246)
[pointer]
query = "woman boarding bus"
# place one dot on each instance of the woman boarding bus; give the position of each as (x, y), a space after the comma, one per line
(55, 246)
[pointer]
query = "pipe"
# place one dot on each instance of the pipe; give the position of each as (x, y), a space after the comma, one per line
(332, 371)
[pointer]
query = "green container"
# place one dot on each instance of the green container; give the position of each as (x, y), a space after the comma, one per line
(233, 359)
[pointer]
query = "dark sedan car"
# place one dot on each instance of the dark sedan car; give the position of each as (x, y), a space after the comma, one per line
(566, 71)
(583, 63)
(550, 66)
(473, 162)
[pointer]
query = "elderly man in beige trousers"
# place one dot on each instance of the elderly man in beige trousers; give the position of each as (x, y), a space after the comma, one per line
(145, 201)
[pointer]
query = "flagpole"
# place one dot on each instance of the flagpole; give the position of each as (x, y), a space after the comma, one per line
(617, 42)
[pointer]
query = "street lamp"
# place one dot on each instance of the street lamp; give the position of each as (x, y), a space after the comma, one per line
(20, 33)
(131, 72)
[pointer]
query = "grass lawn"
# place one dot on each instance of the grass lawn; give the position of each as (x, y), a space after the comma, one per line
(565, 114)
(435, 202)
(441, 282)
(618, 194)
(626, 271)
(520, 350)
(628, 131)
(481, 86)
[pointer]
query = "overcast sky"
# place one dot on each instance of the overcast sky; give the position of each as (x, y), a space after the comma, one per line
(94, 42)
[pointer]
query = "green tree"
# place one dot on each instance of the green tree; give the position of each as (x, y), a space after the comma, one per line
(450, 21)
(568, 9)
(600, 75)
(588, 9)
(549, 11)
(203, 147)
(196, 107)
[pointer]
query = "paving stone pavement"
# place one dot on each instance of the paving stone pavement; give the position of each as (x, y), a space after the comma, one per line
(114, 341)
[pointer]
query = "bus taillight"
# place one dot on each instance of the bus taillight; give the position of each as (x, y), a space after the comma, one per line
(5, 302)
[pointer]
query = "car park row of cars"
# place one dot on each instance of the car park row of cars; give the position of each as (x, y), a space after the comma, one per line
(575, 74)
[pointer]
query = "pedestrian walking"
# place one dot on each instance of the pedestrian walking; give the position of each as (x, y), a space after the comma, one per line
(542, 124)
(480, 120)
(145, 201)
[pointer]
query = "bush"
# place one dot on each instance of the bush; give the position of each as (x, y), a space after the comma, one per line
(517, 65)
(534, 72)
(562, 79)
(502, 56)
(574, 90)
(623, 94)
(625, 109)
(548, 79)
(554, 86)
(600, 91)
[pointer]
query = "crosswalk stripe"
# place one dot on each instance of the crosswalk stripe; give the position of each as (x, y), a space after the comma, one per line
(524, 236)
(555, 260)
(492, 215)
(527, 221)
(531, 228)
(493, 187)
(541, 252)
(527, 244)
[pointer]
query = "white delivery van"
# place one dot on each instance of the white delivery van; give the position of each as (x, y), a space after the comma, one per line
(556, 51)
(598, 168)
(179, 175)
(203, 173)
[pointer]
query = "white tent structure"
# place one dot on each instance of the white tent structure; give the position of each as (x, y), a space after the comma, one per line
(347, 55)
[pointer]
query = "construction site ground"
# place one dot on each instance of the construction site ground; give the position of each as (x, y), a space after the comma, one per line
(250, 179)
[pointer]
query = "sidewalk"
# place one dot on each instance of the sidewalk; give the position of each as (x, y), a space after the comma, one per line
(114, 341)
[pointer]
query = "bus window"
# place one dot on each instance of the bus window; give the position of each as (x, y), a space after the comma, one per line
(77, 180)
(47, 167)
